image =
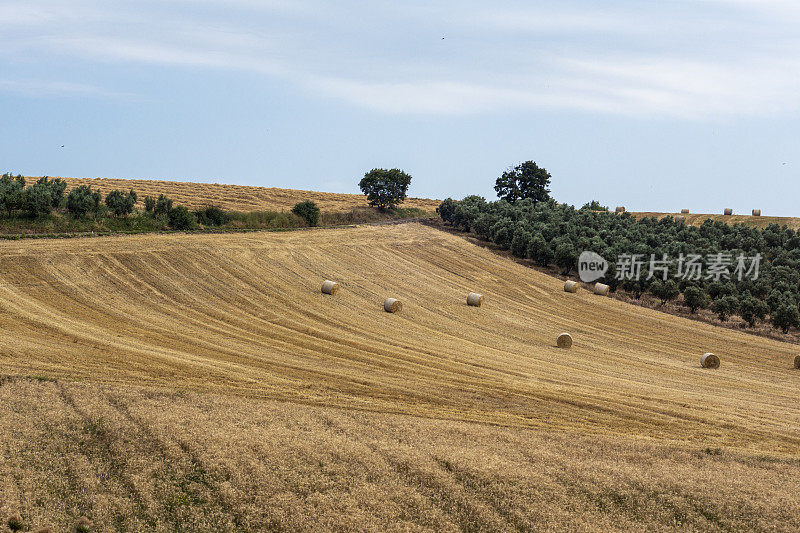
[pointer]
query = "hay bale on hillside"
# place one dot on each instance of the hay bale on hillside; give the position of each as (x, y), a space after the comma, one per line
(620, 209)
(329, 287)
(728, 211)
(564, 340)
(756, 212)
(709, 360)
(602, 289)
(392, 305)
(684, 211)
(797, 362)
(474, 299)
(570, 286)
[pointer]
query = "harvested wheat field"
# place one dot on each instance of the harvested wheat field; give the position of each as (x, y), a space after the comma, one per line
(696, 219)
(236, 197)
(204, 382)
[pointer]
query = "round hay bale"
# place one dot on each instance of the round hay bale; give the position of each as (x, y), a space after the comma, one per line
(564, 340)
(709, 360)
(570, 286)
(474, 299)
(797, 362)
(756, 212)
(329, 287)
(602, 289)
(620, 209)
(684, 211)
(728, 211)
(392, 305)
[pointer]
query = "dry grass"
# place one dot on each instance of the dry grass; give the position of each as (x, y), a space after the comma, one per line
(295, 410)
(237, 197)
(134, 459)
(696, 219)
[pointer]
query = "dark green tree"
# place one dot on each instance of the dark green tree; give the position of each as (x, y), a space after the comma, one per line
(163, 205)
(57, 188)
(212, 216)
(725, 306)
(82, 200)
(385, 189)
(752, 309)
(665, 291)
(695, 298)
(12, 193)
(786, 316)
(526, 180)
(121, 203)
(38, 199)
(149, 204)
(181, 218)
(308, 211)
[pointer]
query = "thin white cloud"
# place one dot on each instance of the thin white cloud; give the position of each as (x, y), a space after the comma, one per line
(679, 59)
(39, 88)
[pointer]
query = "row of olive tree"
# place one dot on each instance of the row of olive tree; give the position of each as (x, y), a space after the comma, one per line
(531, 225)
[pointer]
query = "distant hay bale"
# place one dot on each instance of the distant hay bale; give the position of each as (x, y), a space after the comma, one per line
(709, 360)
(392, 305)
(564, 340)
(684, 211)
(728, 211)
(570, 286)
(602, 289)
(681, 219)
(756, 212)
(329, 287)
(620, 209)
(797, 362)
(474, 299)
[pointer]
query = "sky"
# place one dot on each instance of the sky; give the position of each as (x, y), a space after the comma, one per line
(656, 106)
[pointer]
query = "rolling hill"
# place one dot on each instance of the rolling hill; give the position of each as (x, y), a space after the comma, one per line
(204, 382)
(235, 197)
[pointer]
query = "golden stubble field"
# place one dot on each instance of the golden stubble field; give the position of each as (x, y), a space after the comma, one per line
(203, 382)
(236, 197)
(697, 219)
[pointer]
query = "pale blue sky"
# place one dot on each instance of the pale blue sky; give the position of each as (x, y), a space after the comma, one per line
(651, 105)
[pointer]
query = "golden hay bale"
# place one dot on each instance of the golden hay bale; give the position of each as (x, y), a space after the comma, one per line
(709, 360)
(570, 286)
(329, 287)
(564, 340)
(756, 212)
(602, 289)
(620, 209)
(728, 211)
(392, 305)
(474, 299)
(797, 362)
(684, 211)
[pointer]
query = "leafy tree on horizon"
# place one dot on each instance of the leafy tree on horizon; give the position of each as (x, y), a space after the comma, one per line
(526, 180)
(82, 200)
(385, 189)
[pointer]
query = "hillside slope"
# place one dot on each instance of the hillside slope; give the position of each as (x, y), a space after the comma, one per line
(696, 219)
(236, 197)
(243, 315)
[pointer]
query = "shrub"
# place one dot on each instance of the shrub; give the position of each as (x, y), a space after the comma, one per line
(181, 218)
(695, 298)
(82, 200)
(665, 290)
(12, 193)
(212, 216)
(385, 189)
(57, 188)
(121, 203)
(308, 211)
(163, 205)
(725, 306)
(149, 204)
(38, 199)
